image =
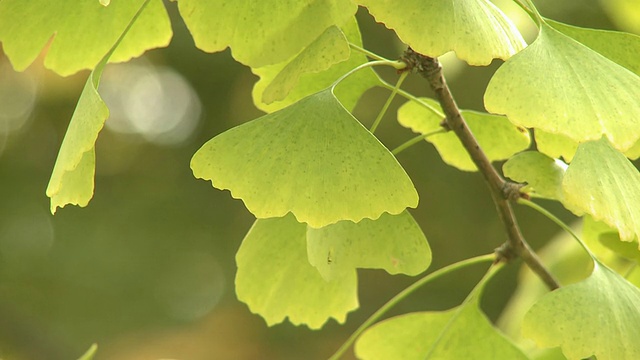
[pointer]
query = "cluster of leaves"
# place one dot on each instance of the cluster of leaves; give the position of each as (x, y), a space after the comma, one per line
(330, 198)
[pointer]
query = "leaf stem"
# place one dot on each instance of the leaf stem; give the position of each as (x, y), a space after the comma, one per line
(367, 52)
(399, 65)
(413, 98)
(416, 140)
(403, 294)
(385, 107)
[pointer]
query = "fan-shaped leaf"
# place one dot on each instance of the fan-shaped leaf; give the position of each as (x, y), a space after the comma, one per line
(82, 31)
(393, 242)
(563, 87)
(475, 29)
(555, 145)
(603, 183)
(275, 279)
(542, 174)
(597, 316)
(261, 33)
(499, 138)
(313, 159)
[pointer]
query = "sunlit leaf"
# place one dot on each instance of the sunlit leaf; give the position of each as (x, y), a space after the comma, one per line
(563, 87)
(475, 29)
(261, 33)
(603, 183)
(348, 91)
(275, 279)
(393, 242)
(542, 174)
(91, 352)
(555, 145)
(498, 137)
(313, 159)
(82, 32)
(598, 316)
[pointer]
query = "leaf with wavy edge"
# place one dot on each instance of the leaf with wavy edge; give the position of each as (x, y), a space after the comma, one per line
(476, 30)
(563, 87)
(313, 159)
(82, 31)
(542, 174)
(261, 33)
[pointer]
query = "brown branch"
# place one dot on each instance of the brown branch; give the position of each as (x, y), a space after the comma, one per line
(502, 192)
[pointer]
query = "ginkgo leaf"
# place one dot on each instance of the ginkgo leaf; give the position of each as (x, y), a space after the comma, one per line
(498, 137)
(624, 13)
(284, 27)
(72, 178)
(275, 279)
(347, 91)
(475, 29)
(555, 145)
(82, 31)
(313, 159)
(629, 250)
(563, 87)
(329, 48)
(602, 182)
(542, 174)
(597, 316)
(392, 242)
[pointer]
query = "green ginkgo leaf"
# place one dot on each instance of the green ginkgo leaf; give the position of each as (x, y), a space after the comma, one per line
(555, 145)
(275, 279)
(475, 29)
(82, 32)
(313, 159)
(392, 242)
(563, 87)
(597, 316)
(498, 137)
(602, 182)
(284, 28)
(347, 91)
(629, 250)
(542, 174)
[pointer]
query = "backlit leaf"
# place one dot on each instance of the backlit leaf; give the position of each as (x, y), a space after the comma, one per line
(563, 87)
(498, 137)
(392, 242)
(603, 183)
(313, 159)
(597, 316)
(82, 32)
(542, 174)
(261, 33)
(275, 278)
(475, 29)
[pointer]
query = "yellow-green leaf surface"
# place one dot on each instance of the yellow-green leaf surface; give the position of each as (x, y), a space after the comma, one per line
(91, 352)
(563, 87)
(602, 182)
(598, 316)
(275, 278)
(475, 29)
(82, 31)
(313, 159)
(555, 145)
(393, 242)
(498, 137)
(542, 174)
(629, 250)
(261, 33)
(624, 13)
(348, 91)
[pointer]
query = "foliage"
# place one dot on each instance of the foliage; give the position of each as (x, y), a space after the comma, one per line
(330, 197)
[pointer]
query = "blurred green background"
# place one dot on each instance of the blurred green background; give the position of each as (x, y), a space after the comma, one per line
(147, 269)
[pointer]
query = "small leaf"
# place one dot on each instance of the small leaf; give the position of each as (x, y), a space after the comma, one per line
(261, 33)
(313, 159)
(563, 87)
(542, 174)
(499, 138)
(475, 29)
(393, 242)
(91, 352)
(275, 279)
(597, 316)
(603, 183)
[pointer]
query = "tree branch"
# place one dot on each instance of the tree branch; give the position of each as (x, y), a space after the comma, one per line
(502, 192)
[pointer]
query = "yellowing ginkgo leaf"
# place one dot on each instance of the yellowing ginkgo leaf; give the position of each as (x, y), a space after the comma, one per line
(602, 182)
(563, 87)
(542, 174)
(261, 33)
(81, 32)
(475, 29)
(313, 159)
(275, 278)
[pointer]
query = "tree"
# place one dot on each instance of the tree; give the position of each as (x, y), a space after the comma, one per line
(330, 197)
